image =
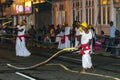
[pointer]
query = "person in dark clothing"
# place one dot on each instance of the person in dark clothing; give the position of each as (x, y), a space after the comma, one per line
(32, 34)
(111, 49)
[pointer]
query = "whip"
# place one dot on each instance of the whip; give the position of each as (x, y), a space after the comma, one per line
(41, 63)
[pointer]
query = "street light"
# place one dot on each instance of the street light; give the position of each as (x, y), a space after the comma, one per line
(37, 1)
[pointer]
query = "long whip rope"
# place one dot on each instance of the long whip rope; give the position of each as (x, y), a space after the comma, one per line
(41, 63)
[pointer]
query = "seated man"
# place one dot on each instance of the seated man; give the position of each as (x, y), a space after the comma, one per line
(47, 41)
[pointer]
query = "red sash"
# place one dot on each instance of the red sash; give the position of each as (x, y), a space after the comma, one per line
(20, 37)
(63, 39)
(84, 47)
(68, 36)
(77, 37)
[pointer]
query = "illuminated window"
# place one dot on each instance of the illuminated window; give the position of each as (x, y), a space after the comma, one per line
(104, 11)
(28, 7)
(77, 10)
(90, 11)
(104, 2)
(117, 1)
(19, 9)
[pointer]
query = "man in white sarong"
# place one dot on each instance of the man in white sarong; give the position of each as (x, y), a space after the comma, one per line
(86, 37)
(67, 36)
(61, 43)
(77, 35)
(21, 49)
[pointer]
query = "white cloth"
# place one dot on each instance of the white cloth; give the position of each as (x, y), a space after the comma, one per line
(93, 33)
(85, 37)
(21, 49)
(67, 41)
(60, 44)
(86, 59)
(19, 28)
(77, 33)
(93, 36)
(57, 38)
(67, 30)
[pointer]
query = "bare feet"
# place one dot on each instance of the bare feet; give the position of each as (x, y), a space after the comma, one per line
(92, 68)
(83, 71)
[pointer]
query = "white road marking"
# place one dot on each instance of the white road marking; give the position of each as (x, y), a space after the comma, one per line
(25, 76)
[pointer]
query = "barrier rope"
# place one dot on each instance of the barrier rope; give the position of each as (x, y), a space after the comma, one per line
(41, 63)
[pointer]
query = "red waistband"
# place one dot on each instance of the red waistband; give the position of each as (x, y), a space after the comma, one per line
(84, 47)
(20, 36)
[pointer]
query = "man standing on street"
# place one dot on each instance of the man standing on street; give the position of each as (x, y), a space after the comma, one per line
(32, 34)
(21, 49)
(86, 37)
(112, 38)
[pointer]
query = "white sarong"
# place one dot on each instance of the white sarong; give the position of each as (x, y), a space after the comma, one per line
(21, 49)
(86, 60)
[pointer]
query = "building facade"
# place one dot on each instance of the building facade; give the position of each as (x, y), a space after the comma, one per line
(35, 12)
(95, 12)
(62, 12)
(98, 13)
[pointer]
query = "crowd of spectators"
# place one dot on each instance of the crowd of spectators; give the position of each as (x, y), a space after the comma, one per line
(49, 35)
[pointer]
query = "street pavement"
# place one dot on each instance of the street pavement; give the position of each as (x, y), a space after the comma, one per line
(65, 66)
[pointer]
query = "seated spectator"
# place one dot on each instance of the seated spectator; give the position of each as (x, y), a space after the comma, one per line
(52, 35)
(47, 41)
(99, 42)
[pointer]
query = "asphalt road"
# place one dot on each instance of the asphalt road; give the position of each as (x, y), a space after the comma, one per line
(65, 66)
